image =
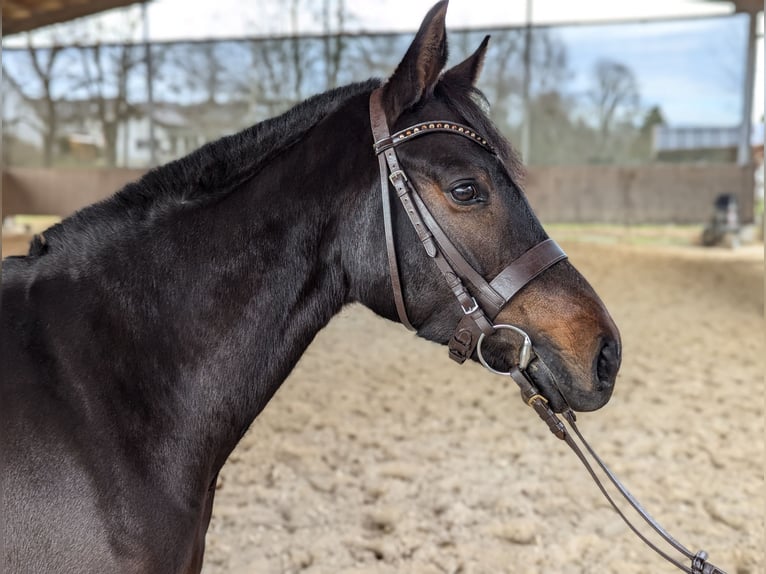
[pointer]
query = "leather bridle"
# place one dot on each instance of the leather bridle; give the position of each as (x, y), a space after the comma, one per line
(488, 298)
(482, 305)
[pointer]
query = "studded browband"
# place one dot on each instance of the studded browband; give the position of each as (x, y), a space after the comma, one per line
(483, 303)
(429, 128)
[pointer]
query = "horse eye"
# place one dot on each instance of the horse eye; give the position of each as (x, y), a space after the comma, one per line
(464, 193)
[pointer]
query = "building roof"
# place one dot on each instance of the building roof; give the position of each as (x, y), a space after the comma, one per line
(668, 138)
(24, 15)
(749, 6)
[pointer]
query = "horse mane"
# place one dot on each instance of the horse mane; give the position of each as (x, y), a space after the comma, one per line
(217, 168)
(203, 176)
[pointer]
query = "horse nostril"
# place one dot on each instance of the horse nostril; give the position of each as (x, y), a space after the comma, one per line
(608, 363)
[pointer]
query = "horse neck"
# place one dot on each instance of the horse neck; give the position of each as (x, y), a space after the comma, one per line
(207, 311)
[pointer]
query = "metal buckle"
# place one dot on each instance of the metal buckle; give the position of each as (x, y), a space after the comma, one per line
(525, 353)
(395, 174)
(698, 562)
(535, 397)
(474, 306)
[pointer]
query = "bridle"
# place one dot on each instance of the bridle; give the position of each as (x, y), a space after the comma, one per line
(481, 308)
(482, 305)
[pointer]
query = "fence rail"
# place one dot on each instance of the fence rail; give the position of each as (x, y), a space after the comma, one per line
(559, 194)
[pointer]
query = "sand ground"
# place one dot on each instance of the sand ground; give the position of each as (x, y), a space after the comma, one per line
(380, 455)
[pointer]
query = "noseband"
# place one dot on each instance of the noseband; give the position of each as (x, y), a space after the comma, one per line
(482, 305)
(484, 302)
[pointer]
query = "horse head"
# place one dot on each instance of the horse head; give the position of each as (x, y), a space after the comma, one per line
(474, 193)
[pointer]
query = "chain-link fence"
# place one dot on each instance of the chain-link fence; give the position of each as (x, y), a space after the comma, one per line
(596, 93)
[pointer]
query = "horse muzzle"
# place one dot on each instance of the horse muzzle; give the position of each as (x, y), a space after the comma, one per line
(547, 370)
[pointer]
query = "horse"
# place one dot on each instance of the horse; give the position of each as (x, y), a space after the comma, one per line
(142, 335)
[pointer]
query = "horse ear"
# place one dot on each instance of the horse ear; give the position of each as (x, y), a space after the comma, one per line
(417, 73)
(467, 72)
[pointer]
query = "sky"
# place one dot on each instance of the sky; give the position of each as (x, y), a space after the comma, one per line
(689, 90)
(237, 18)
(200, 19)
(184, 19)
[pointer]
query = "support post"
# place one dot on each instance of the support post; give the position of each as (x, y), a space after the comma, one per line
(744, 150)
(526, 126)
(149, 85)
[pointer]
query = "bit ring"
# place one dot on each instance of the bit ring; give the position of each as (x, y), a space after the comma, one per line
(525, 354)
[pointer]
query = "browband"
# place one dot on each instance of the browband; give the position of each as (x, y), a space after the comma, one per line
(412, 132)
(488, 298)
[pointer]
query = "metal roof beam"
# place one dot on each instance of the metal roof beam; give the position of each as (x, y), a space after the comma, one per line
(24, 15)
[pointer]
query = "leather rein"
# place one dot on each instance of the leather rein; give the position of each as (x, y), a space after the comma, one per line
(482, 305)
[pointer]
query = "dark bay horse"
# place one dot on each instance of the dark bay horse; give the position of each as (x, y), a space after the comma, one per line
(143, 335)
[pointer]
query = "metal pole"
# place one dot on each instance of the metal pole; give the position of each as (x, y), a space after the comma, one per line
(149, 85)
(527, 79)
(744, 150)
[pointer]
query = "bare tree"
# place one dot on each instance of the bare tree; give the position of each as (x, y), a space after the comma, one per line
(615, 95)
(279, 73)
(332, 14)
(40, 94)
(296, 48)
(550, 63)
(105, 73)
(501, 79)
(78, 78)
(199, 70)
(333, 39)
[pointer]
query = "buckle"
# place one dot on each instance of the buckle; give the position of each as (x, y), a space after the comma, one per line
(395, 174)
(457, 356)
(474, 306)
(461, 345)
(535, 397)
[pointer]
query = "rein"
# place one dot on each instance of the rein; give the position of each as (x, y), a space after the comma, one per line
(532, 397)
(480, 309)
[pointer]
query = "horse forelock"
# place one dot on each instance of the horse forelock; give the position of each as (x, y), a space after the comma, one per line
(470, 104)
